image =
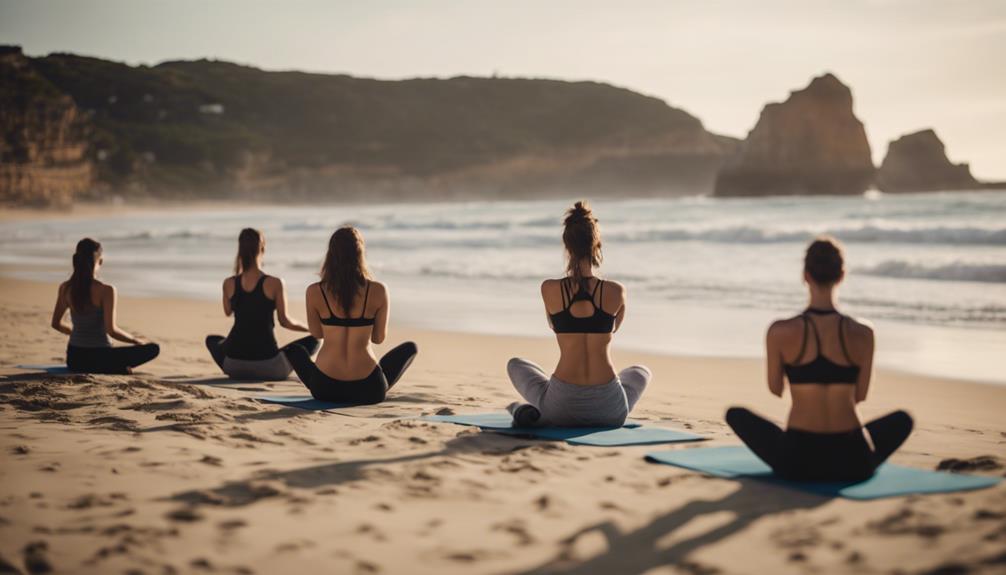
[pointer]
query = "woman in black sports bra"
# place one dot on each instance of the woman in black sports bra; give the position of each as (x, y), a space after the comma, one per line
(349, 311)
(250, 350)
(583, 311)
(827, 358)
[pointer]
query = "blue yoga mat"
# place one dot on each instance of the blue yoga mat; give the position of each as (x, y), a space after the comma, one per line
(889, 481)
(55, 369)
(301, 402)
(632, 433)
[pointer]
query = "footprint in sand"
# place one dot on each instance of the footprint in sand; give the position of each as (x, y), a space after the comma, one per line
(518, 529)
(980, 463)
(36, 557)
(185, 515)
(232, 524)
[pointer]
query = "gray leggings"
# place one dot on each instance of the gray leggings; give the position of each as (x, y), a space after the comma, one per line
(570, 405)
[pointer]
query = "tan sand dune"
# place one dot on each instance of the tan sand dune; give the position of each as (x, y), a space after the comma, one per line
(176, 470)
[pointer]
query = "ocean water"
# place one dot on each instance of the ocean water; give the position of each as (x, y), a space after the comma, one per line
(705, 275)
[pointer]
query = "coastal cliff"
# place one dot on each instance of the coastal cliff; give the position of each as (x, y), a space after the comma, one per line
(918, 162)
(215, 129)
(43, 148)
(812, 143)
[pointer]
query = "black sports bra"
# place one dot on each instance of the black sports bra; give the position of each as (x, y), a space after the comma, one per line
(821, 369)
(565, 322)
(333, 320)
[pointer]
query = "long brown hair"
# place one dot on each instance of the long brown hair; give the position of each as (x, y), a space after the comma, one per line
(87, 254)
(582, 238)
(345, 269)
(251, 242)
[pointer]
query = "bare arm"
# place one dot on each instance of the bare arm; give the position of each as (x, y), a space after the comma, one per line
(59, 311)
(381, 319)
(284, 319)
(620, 314)
(313, 319)
(108, 302)
(228, 291)
(544, 300)
(865, 366)
(773, 360)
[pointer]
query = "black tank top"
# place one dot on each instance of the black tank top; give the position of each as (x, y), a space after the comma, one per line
(252, 336)
(564, 321)
(821, 369)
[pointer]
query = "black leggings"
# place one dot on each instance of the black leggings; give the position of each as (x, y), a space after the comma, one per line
(371, 389)
(805, 455)
(117, 360)
(215, 344)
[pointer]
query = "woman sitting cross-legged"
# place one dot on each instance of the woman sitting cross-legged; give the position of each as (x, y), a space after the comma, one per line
(250, 350)
(93, 306)
(584, 311)
(349, 311)
(827, 358)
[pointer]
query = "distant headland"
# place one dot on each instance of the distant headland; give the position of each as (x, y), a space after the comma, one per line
(76, 127)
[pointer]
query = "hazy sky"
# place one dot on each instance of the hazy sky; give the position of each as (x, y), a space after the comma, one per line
(911, 64)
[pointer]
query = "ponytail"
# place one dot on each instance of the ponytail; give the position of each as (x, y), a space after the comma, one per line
(582, 238)
(250, 245)
(87, 254)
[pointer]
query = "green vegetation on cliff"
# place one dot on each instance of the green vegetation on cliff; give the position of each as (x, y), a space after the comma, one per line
(201, 125)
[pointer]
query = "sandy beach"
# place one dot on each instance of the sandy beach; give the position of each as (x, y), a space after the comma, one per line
(176, 470)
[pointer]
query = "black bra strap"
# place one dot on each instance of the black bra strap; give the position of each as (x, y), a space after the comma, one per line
(325, 297)
(600, 298)
(817, 336)
(258, 284)
(567, 296)
(365, 296)
(803, 343)
(841, 338)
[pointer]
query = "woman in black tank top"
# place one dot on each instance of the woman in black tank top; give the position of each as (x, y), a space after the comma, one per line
(250, 350)
(824, 440)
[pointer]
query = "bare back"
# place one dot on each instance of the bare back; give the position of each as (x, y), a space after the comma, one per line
(346, 353)
(585, 358)
(821, 407)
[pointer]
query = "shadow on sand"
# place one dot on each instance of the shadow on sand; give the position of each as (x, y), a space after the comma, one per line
(640, 550)
(341, 472)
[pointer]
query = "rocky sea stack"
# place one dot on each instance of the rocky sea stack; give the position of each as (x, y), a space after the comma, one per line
(918, 163)
(812, 143)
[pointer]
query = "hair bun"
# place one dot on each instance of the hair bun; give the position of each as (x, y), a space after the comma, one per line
(580, 212)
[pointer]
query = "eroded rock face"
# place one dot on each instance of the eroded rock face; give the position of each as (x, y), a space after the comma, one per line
(812, 143)
(918, 163)
(42, 138)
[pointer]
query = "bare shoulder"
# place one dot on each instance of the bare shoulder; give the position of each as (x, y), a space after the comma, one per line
(313, 291)
(549, 285)
(378, 290)
(613, 287)
(859, 328)
(273, 283)
(785, 329)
